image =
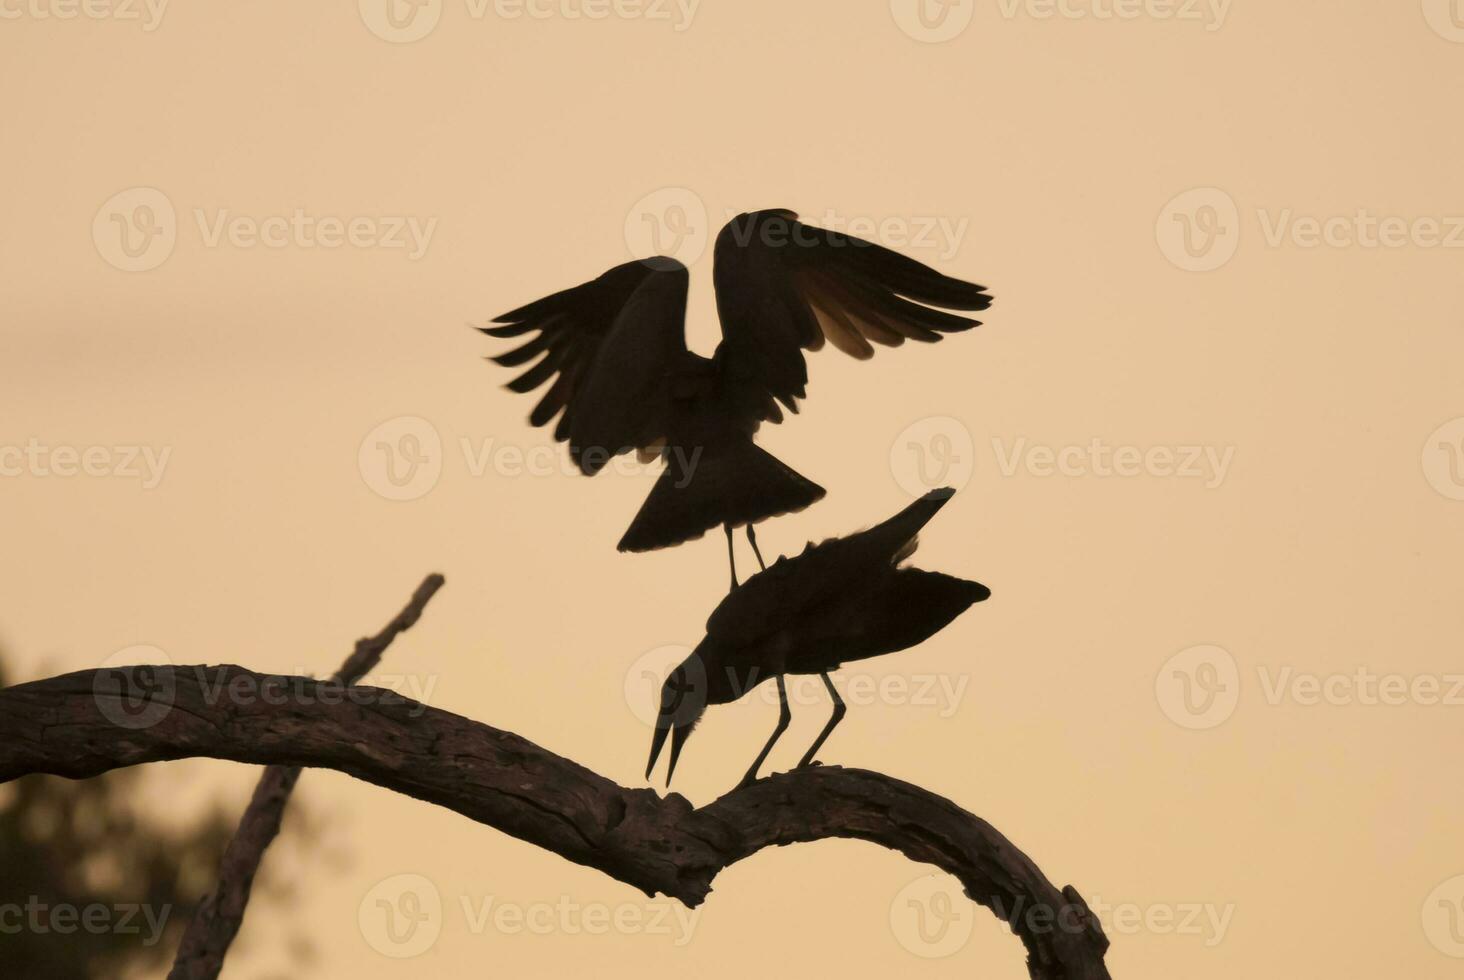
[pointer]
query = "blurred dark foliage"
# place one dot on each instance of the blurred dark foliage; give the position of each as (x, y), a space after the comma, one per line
(73, 849)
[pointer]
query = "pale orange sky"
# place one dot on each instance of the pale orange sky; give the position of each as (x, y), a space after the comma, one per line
(1315, 535)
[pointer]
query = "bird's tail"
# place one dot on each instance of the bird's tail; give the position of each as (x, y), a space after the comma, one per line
(733, 482)
(917, 605)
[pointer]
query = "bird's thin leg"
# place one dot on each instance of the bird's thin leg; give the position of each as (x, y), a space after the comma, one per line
(752, 540)
(784, 716)
(731, 558)
(839, 708)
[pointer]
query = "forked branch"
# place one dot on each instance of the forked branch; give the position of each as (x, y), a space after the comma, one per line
(216, 921)
(68, 726)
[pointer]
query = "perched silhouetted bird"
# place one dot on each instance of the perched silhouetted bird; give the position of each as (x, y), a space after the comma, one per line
(845, 599)
(615, 349)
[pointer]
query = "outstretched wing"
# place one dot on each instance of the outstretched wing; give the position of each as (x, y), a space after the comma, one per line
(611, 346)
(784, 287)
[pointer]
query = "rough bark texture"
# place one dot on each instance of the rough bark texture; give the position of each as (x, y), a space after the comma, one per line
(216, 922)
(67, 726)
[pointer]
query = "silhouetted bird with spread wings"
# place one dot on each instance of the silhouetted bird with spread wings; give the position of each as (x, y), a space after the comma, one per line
(845, 599)
(623, 378)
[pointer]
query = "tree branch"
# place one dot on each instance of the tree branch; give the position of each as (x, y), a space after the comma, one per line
(68, 726)
(218, 917)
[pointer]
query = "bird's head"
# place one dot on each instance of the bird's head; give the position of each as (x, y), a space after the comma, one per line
(683, 702)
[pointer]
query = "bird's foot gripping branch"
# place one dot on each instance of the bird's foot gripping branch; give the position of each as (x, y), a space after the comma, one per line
(68, 726)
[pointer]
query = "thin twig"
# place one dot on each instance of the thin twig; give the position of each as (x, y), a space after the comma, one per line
(218, 917)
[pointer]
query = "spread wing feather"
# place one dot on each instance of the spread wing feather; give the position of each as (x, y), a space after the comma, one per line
(784, 287)
(611, 346)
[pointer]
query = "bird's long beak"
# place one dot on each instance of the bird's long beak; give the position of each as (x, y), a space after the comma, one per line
(679, 734)
(658, 740)
(678, 739)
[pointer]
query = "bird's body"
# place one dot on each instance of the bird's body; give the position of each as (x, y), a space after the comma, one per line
(623, 378)
(714, 472)
(844, 600)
